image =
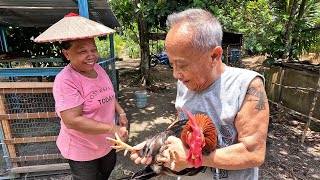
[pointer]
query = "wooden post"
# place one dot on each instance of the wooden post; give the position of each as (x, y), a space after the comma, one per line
(277, 99)
(6, 129)
(240, 54)
(227, 60)
(41, 168)
(7, 134)
(315, 98)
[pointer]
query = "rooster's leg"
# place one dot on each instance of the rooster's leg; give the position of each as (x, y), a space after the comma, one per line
(120, 145)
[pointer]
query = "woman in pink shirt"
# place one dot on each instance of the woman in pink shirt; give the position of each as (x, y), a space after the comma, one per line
(86, 103)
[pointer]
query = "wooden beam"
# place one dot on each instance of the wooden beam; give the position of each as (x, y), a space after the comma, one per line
(36, 157)
(31, 140)
(41, 168)
(26, 91)
(157, 36)
(29, 115)
(6, 129)
(23, 85)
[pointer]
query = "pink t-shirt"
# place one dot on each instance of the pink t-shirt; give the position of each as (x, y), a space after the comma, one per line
(97, 96)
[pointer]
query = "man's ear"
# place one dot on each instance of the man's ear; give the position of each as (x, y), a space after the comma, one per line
(216, 53)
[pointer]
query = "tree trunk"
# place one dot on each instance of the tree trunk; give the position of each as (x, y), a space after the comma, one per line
(292, 7)
(144, 46)
(296, 39)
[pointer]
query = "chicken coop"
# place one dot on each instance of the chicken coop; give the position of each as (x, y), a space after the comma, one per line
(232, 44)
(29, 124)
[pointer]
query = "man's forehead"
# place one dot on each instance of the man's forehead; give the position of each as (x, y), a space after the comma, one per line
(182, 28)
(177, 59)
(179, 32)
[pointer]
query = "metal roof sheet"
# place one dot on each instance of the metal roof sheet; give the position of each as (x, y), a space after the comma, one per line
(44, 13)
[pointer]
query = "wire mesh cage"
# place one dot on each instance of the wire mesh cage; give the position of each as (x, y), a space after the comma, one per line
(29, 124)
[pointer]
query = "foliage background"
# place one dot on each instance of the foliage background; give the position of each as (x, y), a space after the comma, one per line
(263, 23)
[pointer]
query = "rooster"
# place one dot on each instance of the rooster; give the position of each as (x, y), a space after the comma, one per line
(197, 133)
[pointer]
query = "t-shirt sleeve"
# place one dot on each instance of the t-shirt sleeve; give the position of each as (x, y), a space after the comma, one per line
(67, 95)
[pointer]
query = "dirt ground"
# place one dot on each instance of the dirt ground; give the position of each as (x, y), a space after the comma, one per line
(286, 158)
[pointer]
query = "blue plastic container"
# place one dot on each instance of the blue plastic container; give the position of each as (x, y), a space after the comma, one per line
(141, 98)
(235, 55)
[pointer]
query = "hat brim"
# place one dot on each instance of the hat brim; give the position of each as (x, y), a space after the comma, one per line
(73, 28)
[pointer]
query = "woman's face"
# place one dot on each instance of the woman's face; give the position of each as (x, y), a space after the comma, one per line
(83, 54)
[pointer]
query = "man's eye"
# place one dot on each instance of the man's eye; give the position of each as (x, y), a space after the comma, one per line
(182, 66)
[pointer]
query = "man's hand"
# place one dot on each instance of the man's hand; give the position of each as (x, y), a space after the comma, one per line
(138, 159)
(175, 155)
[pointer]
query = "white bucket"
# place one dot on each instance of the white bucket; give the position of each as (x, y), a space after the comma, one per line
(141, 98)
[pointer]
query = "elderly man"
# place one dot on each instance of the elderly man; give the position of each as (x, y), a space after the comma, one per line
(234, 98)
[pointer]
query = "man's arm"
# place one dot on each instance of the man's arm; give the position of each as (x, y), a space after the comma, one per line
(252, 126)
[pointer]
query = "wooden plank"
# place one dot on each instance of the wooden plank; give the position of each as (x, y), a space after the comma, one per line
(31, 140)
(41, 168)
(25, 91)
(295, 113)
(29, 115)
(6, 129)
(36, 157)
(23, 85)
(313, 104)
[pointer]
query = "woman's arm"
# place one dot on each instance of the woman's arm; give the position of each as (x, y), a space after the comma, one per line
(123, 121)
(73, 119)
(119, 109)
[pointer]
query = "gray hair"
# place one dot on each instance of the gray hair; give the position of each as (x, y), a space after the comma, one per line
(207, 31)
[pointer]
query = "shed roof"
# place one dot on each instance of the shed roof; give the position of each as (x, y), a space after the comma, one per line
(44, 13)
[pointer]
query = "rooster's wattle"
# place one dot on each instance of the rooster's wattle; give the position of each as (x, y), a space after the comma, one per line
(197, 133)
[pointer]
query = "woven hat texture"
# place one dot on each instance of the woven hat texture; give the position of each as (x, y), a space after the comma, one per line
(73, 27)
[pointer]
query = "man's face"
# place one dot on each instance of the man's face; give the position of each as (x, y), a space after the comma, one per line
(190, 66)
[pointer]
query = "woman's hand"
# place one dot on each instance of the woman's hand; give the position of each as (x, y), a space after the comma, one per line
(138, 159)
(122, 132)
(123, 121)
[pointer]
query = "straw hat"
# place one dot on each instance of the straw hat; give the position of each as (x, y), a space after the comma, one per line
(72, 27)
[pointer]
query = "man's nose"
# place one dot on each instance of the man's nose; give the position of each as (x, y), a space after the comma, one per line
(176, 73)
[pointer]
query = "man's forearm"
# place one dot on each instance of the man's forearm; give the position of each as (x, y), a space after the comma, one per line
(234, 157)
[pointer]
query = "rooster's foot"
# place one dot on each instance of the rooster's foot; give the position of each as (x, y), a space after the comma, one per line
(120, 145)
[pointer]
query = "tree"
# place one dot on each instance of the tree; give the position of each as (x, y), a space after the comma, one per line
(301, 15)
(144, 43)
(150, 16)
